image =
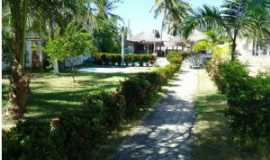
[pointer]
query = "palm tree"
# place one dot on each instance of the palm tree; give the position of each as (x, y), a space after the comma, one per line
(19, 17)
(259, 28)
(174, 12)
(234, 18)
(212, 43)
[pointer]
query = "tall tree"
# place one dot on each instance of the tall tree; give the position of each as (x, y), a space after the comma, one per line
(19, 79)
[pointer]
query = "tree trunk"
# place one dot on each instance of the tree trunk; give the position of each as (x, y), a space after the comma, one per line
(19, 81)
(55, 67)
(253, 47)
(72, 70)
(233, 50)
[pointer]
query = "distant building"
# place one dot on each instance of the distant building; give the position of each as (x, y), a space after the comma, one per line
(148, 43)
(144, 43)
(36, 59)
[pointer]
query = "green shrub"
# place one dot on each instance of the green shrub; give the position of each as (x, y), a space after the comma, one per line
(113, 58)
(136, 93)
(248, 99)
(232, 77)
(167, 72)
(154, 78)
(76, 134)
(108, 107)
(71, 136)
(174, 57)
(30, 139)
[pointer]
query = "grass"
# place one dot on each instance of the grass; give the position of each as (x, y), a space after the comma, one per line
(52, 95)
(212, 136)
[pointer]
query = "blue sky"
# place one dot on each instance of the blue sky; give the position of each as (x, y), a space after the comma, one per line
(138, 13)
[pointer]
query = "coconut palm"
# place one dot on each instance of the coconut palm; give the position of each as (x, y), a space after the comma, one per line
(259, 28)
(174, 12)
(234, 18)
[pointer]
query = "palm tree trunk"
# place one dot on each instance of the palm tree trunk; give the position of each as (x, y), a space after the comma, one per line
(233, 50)
(19, 80)
(253, 47)
(233, 45)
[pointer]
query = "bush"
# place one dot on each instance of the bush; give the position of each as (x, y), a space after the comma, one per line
(113, 58)
(232, 78)
(174, 57)
(248, 99)
(154, 78)
(29, 140)
(136, 93)
(108, 107)
(77, 134)
(71, 136)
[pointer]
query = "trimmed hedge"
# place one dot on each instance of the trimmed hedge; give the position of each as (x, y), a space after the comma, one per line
(248, 99)
(130, 59)
(77, 134)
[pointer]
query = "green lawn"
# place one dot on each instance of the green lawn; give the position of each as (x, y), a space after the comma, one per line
(212, 140)
(54, 94)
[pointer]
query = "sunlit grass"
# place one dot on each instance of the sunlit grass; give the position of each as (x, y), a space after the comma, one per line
(52, 95)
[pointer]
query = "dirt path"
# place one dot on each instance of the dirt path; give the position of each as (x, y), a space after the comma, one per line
(166, 133)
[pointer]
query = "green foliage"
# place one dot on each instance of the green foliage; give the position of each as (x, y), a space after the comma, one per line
(29, 140)
(75, 42)
(173, 11)
(75, 135)
(55, 49)
(174, 57)
(201, 45)
(234, 18)
(115, 58)
(137, 94)
(107, 107)
(248, 98)
(107, 36)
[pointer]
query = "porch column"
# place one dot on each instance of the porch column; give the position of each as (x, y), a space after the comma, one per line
(29, 53)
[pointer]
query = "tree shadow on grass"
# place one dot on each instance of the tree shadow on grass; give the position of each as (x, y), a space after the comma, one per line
(212, 138)
(45, 105)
